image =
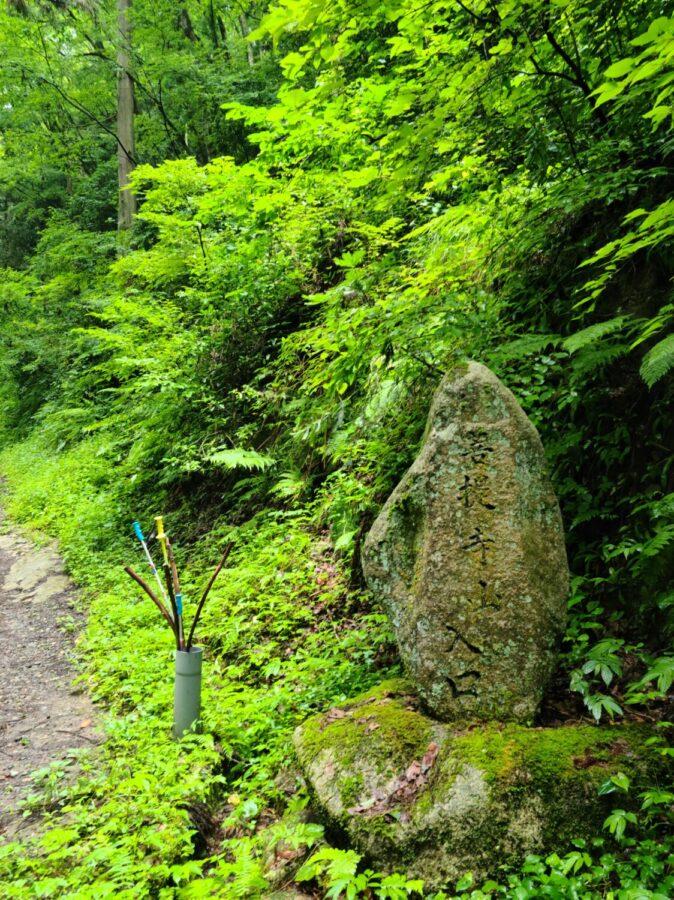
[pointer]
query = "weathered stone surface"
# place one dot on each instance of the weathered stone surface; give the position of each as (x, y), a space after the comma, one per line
(468, 556)
(436, 801)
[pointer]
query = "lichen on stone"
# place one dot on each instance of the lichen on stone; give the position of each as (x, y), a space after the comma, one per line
(468, 557)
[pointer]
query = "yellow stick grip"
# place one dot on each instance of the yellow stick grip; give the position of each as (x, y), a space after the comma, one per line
(161, 537)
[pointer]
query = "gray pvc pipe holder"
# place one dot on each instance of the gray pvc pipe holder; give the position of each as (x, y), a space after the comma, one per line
(187, 695)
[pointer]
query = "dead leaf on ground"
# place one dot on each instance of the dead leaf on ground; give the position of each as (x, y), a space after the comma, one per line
(620, 748)
(404, 789)
(413, 771)
(429, 757)
(588, 760)
(289, 854)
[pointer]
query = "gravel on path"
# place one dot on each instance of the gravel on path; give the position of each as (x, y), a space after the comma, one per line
(42, 716)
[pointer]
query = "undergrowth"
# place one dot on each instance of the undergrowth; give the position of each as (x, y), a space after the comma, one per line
(145, 811)
(224, 813)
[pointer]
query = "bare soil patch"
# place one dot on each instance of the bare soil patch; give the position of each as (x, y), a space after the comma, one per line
(42, 716)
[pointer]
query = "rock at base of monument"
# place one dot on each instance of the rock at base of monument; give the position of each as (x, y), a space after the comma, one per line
(435, 801)
(468, 558)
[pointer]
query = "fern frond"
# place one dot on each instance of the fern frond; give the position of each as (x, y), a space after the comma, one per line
(527, 345)
(594, 333)
(238, 458)
(661, 539)
(595, 357)
(658, 361)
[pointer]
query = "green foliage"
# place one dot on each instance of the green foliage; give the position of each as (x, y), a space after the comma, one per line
(643, 875)
(658, 361)
(239, 459)
(655, 683)
(338, 869)
(125, 826)
(423, 184)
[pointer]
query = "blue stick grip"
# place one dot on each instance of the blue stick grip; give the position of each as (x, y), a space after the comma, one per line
(179, 604)
(139, 533)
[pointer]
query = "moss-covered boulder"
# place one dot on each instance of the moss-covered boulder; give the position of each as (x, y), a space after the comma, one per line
(437, 801)
(468, 556)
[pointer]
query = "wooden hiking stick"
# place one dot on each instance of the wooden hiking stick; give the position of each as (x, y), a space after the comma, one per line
(174, 570)
(205, 594)
(162, 537)
(177, 594)
(157, 602)
(174, 605)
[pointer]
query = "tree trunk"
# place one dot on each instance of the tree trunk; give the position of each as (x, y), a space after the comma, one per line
(125, 132)
(245, 30)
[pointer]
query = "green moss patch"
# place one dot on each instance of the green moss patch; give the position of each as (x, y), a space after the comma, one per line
(547, 755)
(381, 727)
(413, 793)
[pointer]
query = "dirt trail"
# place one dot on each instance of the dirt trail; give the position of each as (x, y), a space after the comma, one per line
(41, 715)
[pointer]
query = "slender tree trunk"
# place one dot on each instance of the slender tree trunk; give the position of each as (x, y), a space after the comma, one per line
(245, 30)
(125, 132)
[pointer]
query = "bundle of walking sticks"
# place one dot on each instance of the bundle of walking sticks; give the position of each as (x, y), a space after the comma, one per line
(169, 602)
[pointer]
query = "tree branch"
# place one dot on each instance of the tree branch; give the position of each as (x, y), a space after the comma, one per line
(579, 78)
(86, 112)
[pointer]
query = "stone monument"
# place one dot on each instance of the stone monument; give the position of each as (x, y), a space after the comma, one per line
(468, 557)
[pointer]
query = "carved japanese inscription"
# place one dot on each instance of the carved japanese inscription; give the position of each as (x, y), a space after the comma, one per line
(468, 556)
